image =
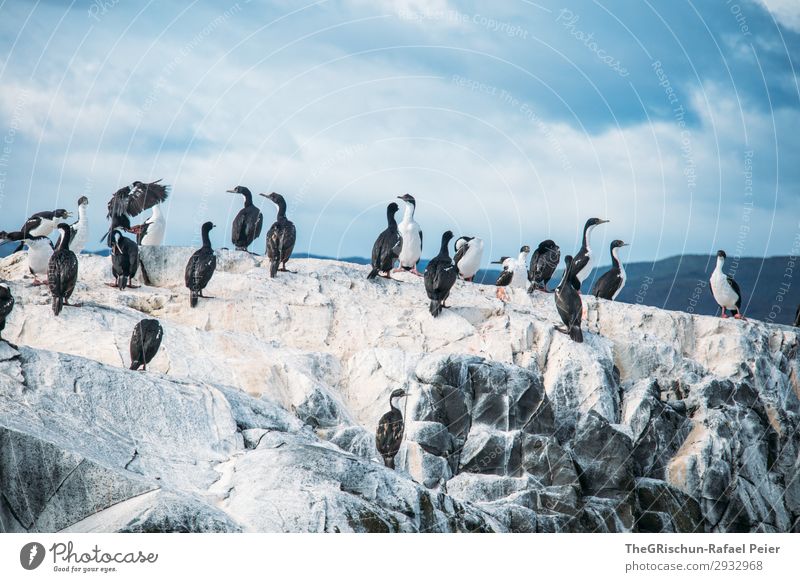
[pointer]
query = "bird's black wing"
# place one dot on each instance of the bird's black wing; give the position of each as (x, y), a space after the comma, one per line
(420, 240)
(579, 262)
(607, 284)
(460, 253)
(6, 305)
(505, 278)
(132, 202)
(735, 286)
(32, 223)
(62, 273)
(289, 240)
(569, 307)
(533, 271)
(549, 264)
(389, 434)
(199, 269)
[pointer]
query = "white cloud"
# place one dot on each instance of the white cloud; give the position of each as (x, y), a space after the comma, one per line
(786, 12)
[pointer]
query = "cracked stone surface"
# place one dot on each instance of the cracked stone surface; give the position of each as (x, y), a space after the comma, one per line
(259, 412)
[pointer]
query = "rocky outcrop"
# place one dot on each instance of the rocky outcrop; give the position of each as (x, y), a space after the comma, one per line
(259, 412)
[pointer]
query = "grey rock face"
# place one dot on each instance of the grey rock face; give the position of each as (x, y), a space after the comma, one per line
(259, 412)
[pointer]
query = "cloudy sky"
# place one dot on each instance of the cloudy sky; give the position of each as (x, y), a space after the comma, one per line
(514, 120)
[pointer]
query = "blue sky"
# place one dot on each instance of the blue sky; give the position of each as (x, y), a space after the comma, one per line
(514, 121)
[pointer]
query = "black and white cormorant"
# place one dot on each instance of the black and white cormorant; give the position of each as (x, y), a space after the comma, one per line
(612, 281)
(469, 253)
(514, 272)
(6, 305)
(544, 263)
(725, 290)
(131, 201)
(62, 274)
(412, 236)
(583, 261)
(124, 260)
(145, 341)
(80, 228)
(39, 225)
(248, 222)
(569, 304)
(281, 236)
(40, 249)
(200, 267)
(389, 434)
(440, 276)
(387, 247)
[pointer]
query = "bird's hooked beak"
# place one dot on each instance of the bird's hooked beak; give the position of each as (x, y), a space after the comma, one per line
(270, 195)
(231, 191)
(603, 221)
(625, 245)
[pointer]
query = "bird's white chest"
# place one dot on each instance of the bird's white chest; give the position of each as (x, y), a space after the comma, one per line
(156, 230)
(39, 258)
(46, 226)
(723, 293)
(471, 261)
(584, 273)
(81, 235)
(623, 277)
(412, 245)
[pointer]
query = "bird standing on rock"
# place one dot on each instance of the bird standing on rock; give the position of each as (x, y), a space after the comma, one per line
(39, 225)
(569, 304)
(145, 341)
(412, 237)
(248, 222)
(124, 261)
(514, 273)
(80, 228)
(609, 285)
(583, 262)
(469, 252)
(387, 247)
(389, 434)
(62, 274)
(725, 290)
(544, 263)
(6, 305)
(40, 249)
(281, 237)
(200, 267)
(440, 276)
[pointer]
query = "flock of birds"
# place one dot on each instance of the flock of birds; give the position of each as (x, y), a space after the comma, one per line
(397, 248)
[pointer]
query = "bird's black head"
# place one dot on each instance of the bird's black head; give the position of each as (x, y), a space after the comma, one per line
(568, 260)
(525, 249)
(61, 214)
(408, 198)
(721, 255)
(4, 290)
(595, 222)
(546, 245)
(398, 393)
(447, 236)
(462, 240)
(393, 207)
(618, 243)
(83, 201)
(274, 196)
(240, 190)
(207, 226)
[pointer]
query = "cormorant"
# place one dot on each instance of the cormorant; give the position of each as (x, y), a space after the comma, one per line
(152, 231)
(40, 249)
(612, 281)
(440, 276)
(386, 249)
(281, 236)
(544, 263)
(145, 341)
(582, 262)
(412, 237)
(80, 229)
(200, 267)
(62, 274)
(247, 224)
(569, 304)
(124, 260)
(725, 290)
(514, 273)
(469, 252)
(40, 224)
(389, 434)
(131, 201)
